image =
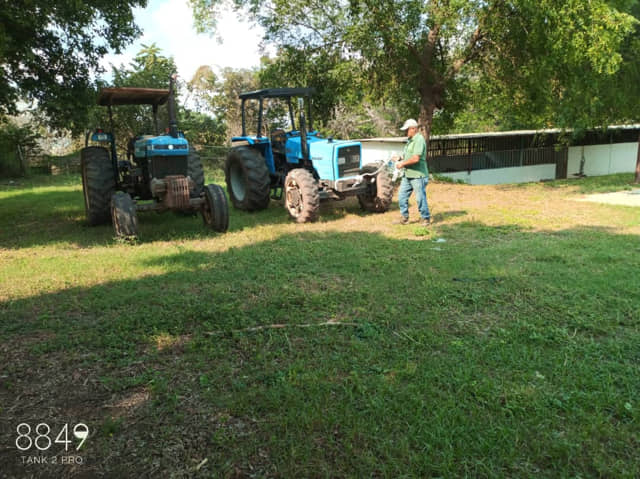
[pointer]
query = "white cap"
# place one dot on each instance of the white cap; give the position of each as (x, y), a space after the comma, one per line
(409, 124)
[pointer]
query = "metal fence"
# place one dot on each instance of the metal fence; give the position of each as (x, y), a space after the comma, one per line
(497, 159)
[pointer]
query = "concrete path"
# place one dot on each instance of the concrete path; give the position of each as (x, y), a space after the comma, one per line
(626, 198)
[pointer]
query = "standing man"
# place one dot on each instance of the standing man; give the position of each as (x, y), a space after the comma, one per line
(416, 174)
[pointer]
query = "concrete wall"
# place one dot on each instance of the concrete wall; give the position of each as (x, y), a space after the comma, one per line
(498, 176)
(603, 159)
(375, 151)
(599, 160)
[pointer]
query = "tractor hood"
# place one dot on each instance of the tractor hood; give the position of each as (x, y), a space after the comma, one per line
(319, 148)
(332, 159)
(164, 145)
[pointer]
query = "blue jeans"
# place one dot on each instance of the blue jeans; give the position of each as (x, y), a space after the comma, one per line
(419, 185)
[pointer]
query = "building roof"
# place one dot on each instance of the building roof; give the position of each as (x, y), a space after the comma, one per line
(458, 136)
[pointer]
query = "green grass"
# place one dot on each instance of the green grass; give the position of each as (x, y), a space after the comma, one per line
(598, 184)
(344, 348)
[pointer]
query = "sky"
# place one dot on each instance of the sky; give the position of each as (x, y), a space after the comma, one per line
(169, 24)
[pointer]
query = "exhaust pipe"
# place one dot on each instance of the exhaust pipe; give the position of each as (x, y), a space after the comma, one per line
(171, 106)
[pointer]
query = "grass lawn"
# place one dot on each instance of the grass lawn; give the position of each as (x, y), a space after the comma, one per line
(504, 341)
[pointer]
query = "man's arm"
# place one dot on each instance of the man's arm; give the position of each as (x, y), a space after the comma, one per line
(412, 160)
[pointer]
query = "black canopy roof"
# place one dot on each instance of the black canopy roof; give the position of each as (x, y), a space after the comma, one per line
(132, 96)
(277, 93)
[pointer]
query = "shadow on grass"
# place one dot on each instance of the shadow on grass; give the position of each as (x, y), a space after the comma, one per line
(43, 216)
(465, 350)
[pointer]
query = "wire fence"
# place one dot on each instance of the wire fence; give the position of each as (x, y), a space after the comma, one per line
(213, 157)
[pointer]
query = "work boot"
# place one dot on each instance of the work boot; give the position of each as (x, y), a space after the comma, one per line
(402, 221)
(426, 222)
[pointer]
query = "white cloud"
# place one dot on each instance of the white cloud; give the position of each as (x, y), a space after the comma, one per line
(169, 24)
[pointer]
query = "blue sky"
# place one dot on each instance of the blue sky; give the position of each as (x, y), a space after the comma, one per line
(169, 24)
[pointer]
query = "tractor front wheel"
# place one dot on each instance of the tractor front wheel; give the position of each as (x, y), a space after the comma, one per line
(302, 198)
(215, 209)
(123, 215)
(98, 183)
(379, 194)
(247, 177)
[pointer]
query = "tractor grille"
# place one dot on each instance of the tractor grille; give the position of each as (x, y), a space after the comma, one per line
(161, 166)
(348, 161)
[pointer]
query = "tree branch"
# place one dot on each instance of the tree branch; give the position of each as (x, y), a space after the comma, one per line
(472, 52)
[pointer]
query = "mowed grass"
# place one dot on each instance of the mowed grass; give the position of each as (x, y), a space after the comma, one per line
(502, 342)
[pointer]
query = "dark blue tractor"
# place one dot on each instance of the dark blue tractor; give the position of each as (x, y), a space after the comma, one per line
(298, 164)
(160, 172)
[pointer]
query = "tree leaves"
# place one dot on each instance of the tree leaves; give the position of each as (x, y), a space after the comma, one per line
(50, 50)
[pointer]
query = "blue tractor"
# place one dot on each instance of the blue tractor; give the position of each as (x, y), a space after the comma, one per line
(161, 172)
(298, 164)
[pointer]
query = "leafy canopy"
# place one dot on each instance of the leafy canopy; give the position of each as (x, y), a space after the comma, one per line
(423, 55)
(49, 52)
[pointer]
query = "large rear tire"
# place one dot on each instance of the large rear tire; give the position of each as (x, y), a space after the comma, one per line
(215, 210)
(379, 193)
(302, 198)
(247, 179)
(123, 215)
(98, 183)
(196, 172)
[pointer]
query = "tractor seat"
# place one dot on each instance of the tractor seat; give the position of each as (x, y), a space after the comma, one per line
(278, 140)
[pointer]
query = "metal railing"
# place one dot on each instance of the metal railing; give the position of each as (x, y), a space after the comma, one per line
(497, 159)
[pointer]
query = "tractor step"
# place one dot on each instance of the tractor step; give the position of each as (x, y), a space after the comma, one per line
(276, 193)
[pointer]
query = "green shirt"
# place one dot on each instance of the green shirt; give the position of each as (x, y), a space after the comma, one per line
(416, 146)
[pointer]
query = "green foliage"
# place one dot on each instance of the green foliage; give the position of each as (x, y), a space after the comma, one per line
(223, 100)
(16, 141)
(50, 50)
(510, 63)
(200, 128)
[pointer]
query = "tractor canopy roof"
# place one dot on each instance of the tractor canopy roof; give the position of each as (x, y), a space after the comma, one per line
(277, 93)
(132, 96)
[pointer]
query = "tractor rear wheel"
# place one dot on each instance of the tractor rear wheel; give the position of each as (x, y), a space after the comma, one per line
(379, 194)
(98, 183)
(123, 215)
(247, 178)
(196, 172)
(302, 198)
(215, 209)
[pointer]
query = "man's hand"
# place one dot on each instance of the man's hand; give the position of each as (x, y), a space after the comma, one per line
(396, 161)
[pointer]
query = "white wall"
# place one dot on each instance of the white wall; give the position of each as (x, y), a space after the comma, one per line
(376, 151)
(599, 160)
(498, 176)
(603, 159)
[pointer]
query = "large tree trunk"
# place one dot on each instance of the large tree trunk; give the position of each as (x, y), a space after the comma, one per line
(637, 180)
(426, 119)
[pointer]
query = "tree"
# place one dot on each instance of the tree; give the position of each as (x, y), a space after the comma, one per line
(224, 101)
(151, 69)
(419, 53)
(49, 52)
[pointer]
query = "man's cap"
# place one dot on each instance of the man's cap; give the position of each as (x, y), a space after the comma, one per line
(409, 124)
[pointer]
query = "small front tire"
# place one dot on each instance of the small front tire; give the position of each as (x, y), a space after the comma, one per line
(123, 215)
(215, 209)
(302, 198)
(379, 194)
